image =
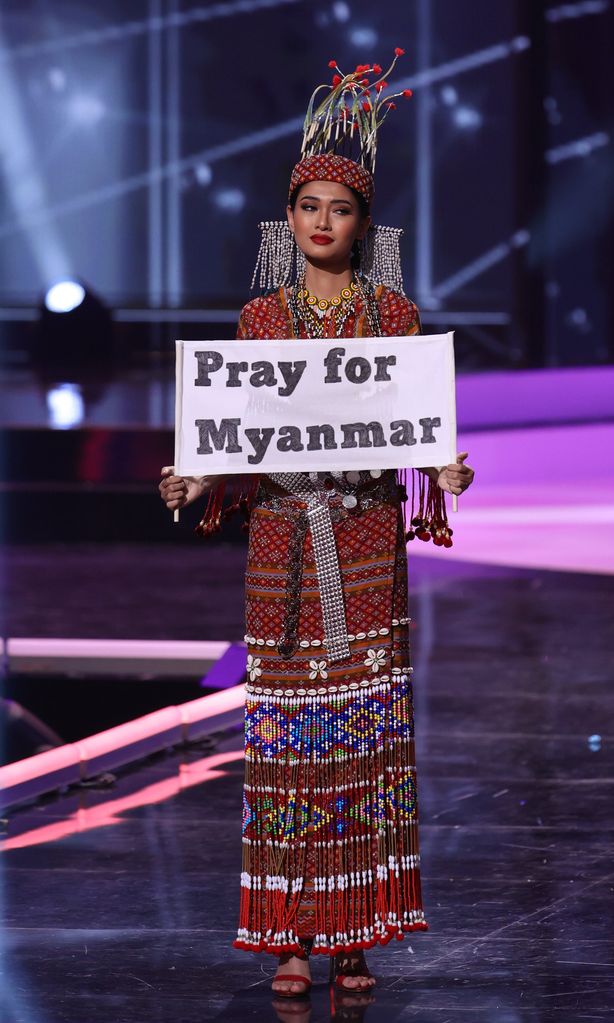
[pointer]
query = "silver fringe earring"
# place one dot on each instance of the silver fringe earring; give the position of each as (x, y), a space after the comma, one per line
(279, 261)
(380, 257)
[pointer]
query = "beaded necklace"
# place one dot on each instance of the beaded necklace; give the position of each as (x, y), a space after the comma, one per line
(321, 305)
(314, 324)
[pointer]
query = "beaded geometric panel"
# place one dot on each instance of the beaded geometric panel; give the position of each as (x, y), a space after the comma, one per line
(331, 816)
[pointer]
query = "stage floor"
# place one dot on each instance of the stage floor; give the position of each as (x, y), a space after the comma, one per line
(121, 905)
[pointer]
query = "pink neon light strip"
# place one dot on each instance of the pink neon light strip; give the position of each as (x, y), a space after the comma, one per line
(165, 650)
(104, 814)
(81, 754)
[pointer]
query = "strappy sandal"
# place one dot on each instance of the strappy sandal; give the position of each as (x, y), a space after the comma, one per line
(293, 978)
(349, 964)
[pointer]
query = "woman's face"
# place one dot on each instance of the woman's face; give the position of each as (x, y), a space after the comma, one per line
(326, 221)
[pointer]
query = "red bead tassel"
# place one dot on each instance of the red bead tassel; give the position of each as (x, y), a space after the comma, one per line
(211, 520)
(242, 500)
(430, 519)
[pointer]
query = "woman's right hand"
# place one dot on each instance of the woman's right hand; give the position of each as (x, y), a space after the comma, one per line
(178, 491)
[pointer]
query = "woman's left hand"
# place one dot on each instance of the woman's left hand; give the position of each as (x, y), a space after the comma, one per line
(456, 477)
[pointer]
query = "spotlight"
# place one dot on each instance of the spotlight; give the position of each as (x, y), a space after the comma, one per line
(74, 337)
(65, 406)
(64, 296)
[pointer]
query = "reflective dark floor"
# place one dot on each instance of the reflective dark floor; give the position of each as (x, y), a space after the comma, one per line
(121, 905)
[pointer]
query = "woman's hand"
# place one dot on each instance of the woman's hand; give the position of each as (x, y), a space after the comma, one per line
(456, 477)
(177, 491)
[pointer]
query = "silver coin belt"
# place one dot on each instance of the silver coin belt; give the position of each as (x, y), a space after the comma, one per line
(358, 491)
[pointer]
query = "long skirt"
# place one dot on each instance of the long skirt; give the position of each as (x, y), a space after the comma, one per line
(330, 841)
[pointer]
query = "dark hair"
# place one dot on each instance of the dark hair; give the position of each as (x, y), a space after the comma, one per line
(363, 208)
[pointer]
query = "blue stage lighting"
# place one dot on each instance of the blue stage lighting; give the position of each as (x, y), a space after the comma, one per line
(363, 37)
(341, 11)
(64, 296)
(57, 79)
(467, 118)
(230, 199)
(449, 95)
(65, 407)
(203, 174)
(86, 110)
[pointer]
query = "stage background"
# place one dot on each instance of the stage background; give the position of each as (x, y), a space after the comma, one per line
(142, 144)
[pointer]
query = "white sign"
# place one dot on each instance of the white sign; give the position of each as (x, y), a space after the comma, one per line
(315, 405)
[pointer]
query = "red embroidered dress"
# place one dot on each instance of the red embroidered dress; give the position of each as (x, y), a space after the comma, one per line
(330, 843)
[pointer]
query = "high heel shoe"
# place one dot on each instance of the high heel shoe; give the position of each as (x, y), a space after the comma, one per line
(292, 978)
(349, 964)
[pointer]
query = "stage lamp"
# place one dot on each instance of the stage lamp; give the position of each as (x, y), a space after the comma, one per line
(64, 296)
(74, 336)
(65, 406)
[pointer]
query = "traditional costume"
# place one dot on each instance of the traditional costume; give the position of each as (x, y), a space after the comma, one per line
(330, 842)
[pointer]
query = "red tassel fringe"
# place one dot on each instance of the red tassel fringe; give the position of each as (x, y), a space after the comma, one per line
(428, 519)
(395, 931)
(242, 500)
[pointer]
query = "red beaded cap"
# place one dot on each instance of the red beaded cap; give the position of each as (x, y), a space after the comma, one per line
(330, 167)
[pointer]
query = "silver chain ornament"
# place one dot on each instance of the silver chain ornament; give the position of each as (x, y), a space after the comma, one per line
(280, 261)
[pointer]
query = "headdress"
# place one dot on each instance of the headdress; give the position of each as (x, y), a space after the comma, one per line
(339, 144)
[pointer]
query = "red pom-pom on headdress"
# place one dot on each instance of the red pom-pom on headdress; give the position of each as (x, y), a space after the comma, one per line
(347, 115)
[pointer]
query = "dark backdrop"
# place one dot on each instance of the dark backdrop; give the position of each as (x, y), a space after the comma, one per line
(142, 143)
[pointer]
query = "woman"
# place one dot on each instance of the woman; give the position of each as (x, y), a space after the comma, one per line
(330, 846)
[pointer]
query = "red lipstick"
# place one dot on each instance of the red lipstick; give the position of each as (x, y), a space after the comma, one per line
(321, 239)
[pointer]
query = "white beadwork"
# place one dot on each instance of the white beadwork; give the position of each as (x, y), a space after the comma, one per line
(253, 667)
